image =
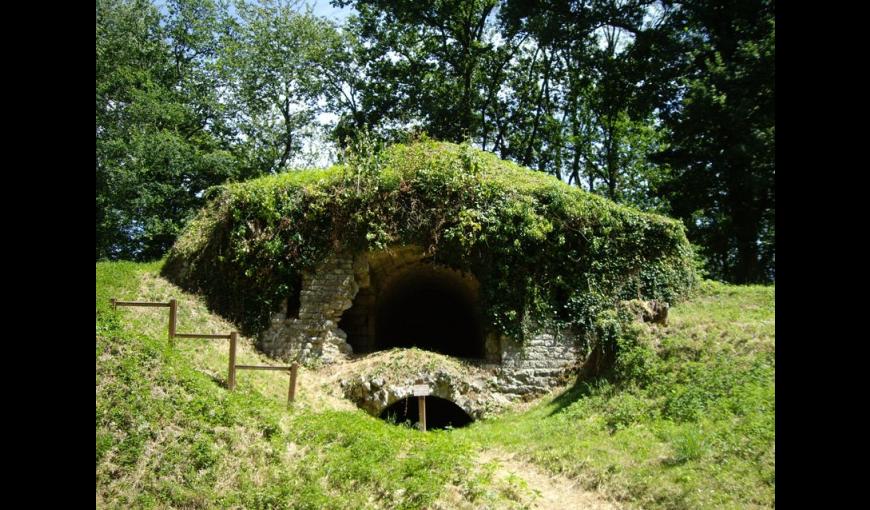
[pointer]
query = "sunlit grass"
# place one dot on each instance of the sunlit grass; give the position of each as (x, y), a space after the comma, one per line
(701, 436)
(168, 433)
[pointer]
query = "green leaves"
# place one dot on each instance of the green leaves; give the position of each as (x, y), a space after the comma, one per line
(160, 137)
(542, 250)
(271, 66)
(721, 175)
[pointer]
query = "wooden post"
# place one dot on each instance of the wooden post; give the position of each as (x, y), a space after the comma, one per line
(294, 370)
(113, 301)
(173, 308)
(421, 407)
(231, 377)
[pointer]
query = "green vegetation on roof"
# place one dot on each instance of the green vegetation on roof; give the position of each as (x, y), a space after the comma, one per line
(543, 250)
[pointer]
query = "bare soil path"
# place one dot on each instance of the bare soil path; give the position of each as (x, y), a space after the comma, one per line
(541, 490)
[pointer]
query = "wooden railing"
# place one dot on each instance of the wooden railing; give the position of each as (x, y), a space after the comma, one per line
(233, 337)
(172, 305)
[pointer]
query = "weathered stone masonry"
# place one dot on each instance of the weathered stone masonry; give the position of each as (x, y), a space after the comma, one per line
(517, 369)
(314, 334)
(539, 363)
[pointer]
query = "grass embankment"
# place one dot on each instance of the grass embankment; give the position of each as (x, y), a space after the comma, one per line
(694, 425)
(689, 425)
(169, 434)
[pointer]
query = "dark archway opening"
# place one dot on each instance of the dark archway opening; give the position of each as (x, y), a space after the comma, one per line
(440, 413)
(421, 305)
(431, 310)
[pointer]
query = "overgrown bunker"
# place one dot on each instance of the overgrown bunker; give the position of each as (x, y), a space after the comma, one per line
(496, 277)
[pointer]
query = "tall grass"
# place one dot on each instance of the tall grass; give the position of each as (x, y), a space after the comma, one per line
(169, 434)
(699, 434)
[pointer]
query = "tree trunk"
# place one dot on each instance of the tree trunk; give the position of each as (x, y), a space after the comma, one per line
(288, 135)
(745, 211)
(527, 157)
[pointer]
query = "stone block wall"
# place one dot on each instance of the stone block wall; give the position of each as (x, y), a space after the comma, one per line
(314, 335)
(538, 364)
(327, 292)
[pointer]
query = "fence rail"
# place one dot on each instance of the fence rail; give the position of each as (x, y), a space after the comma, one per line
(140, 303)
(232, 337)
(261, 367)
(206, 336)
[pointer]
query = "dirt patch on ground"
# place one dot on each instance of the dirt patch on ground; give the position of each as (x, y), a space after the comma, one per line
(535, 488)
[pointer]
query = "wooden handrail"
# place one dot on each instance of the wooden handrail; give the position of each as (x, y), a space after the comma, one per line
(232, 337)
(140, 303)
(261, 367)
(204, 335)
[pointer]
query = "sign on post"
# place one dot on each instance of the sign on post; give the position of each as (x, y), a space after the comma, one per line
(420, 390)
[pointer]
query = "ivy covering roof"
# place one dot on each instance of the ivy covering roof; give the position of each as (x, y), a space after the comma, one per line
(544, 252)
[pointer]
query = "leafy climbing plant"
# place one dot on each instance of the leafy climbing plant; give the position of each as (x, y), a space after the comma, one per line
(544, 252)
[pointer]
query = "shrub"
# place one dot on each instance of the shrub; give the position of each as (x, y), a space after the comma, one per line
(688, 443)
(625, 409)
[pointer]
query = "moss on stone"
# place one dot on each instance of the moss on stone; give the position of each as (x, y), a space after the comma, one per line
(543, 251)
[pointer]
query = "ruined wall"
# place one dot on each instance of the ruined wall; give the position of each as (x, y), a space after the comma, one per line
(314, 335)
(539, 363)
(329, 290)
(474, 391)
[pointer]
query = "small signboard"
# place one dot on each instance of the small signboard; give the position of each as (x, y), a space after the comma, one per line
(420, 390)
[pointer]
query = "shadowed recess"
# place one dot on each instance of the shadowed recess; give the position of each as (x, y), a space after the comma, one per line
(423, 306)
(440, 413)
(431, 310)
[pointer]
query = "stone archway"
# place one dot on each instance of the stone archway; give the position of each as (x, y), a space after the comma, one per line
(441, 413)
(407, 301)
(429, 308)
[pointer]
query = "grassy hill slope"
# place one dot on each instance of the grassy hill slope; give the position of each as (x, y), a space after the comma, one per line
(169, 435)
(686, 421)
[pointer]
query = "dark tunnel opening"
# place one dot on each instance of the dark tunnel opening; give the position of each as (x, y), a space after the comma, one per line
(440, 413)
(428, 307)
(432, 312)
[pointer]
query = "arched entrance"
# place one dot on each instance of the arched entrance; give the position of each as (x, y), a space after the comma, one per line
(440, 413)
(431, 309)
(417, 304)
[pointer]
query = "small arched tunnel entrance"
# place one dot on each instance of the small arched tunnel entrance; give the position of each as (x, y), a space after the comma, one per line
(425, 306)
(440, 413)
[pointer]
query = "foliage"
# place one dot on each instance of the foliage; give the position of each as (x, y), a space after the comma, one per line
(271, 62)
(542, 250)
(424, 62)
(169, 435)
(189, 97)
(721, 135)
(667, 106)
(686, 420)
(160, 135)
